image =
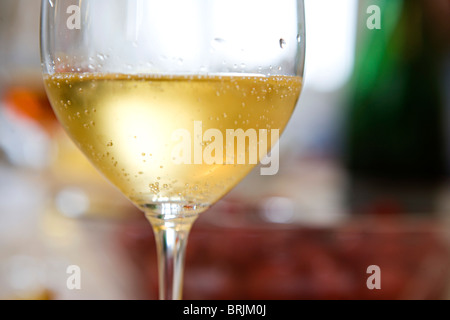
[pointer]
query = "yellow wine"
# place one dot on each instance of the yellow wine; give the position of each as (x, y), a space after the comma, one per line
(129, 127)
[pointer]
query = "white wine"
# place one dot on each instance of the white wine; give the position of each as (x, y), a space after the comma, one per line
(125, 125)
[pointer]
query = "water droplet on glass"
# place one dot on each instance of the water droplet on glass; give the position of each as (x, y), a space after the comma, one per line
(219, 40)
(299, 38)
(217, 43)
(282, 43)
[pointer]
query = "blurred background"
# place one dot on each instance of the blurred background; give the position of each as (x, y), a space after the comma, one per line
(363, 177)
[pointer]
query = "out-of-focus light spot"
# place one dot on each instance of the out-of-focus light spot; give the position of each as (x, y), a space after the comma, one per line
(278, 210)
(72, 202)
(24, 273)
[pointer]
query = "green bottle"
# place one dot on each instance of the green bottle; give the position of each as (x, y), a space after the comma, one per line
(394, 130)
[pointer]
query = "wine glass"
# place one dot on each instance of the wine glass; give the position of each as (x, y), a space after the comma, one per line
(173, 101)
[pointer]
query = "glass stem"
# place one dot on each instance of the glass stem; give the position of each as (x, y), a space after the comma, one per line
(171, 239)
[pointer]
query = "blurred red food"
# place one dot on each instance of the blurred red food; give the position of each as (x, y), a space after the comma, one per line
(288, 262)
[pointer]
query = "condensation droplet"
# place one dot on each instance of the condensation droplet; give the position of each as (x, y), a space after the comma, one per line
(219, 40)
(282, 43)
